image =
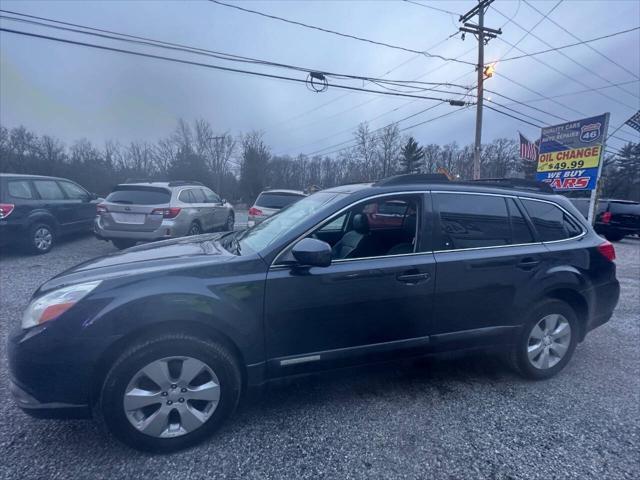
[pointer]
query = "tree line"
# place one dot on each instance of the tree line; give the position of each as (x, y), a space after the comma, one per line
(239, 167)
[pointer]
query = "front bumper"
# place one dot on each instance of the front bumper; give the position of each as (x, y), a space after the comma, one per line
(32, 406)
(52, 375)
(168, 229)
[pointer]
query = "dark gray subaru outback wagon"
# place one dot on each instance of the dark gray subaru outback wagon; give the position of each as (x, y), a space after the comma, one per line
(160, 340)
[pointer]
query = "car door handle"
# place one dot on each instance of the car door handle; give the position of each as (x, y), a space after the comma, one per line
(528, 263)
(413, 278)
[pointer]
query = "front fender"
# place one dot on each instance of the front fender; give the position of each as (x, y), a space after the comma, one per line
(231, 306)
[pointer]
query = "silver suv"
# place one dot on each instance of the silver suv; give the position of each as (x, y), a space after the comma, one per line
(149, 211)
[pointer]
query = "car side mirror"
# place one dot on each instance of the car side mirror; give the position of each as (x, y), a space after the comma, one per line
(312, 252)
(223, 201)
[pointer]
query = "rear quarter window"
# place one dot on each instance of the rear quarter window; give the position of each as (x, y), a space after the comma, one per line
(19, 189)
(551, 222)
(139, 195)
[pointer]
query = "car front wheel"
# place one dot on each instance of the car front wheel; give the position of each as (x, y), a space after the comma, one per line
(547, 341)
(229, 225)
(170, 393)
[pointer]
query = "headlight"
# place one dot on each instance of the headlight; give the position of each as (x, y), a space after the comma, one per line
(53, 304)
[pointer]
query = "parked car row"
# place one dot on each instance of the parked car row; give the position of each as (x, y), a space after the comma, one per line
(36, 210)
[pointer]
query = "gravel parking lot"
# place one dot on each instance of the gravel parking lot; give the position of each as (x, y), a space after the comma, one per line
(454, 419)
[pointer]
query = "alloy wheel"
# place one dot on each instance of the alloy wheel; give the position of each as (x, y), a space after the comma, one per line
(42, 239)
(549, 341)
(171, 397)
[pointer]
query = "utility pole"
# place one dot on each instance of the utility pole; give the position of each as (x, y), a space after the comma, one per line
(483, 35)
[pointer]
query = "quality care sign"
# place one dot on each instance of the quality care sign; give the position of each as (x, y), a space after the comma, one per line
(570, 153)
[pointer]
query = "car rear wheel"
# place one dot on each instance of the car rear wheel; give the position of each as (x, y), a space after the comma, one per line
(121, 244)
(170, 393)
(194, 229)
(547, 341)
(41, 238)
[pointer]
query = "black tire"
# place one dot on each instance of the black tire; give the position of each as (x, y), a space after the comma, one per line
(42, 237)
(519, 358)
(194, 229)
(111, 405)
(121, 243)
(614, 236)
(231, 221)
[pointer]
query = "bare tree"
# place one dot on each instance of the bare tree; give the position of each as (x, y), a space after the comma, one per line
(389, 146)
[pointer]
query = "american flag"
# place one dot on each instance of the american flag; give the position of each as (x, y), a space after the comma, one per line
(528, 150)
(634, 122)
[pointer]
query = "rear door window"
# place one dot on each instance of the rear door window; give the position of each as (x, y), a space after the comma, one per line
(134, 195)
(472, 221)
(520, 231)
(20, 189)
(276, 200)
(48, 190)
(551, 222)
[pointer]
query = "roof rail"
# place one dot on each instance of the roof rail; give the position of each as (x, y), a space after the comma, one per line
(519, 183)
(179, 183)
(412, 178)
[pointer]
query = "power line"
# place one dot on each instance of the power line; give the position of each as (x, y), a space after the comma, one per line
(215, 67)
(528, 32)
(545, 97)
(333, 32)
(568, 94)
(582, 42)
(566, 56)
(433, 8)
(211, 53)
(512, 116)
(591, 47)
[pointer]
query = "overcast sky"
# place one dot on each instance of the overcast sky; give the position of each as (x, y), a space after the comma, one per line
(74, 92)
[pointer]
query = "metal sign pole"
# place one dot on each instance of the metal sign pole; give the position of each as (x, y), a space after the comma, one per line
(594, 193)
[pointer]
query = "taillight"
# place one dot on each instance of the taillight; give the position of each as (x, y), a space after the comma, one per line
(255, 212)
(605, 217)
(607, 251)
(166, 212)
(6, 209)
(100, 208)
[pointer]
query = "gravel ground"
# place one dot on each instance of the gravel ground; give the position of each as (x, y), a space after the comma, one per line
(466, 418)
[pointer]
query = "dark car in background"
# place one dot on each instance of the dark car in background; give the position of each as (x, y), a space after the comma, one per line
(162, 339)
(615, 219)
(36, 210)
(270, 202)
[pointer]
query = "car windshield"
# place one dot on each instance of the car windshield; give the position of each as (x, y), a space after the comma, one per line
(265, 233)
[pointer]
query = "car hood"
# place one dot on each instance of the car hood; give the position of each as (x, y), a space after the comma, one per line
(158, 256)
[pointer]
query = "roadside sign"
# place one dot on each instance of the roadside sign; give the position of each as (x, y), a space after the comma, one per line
(570, 153)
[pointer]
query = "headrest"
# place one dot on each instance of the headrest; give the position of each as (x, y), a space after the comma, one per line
(361, 224)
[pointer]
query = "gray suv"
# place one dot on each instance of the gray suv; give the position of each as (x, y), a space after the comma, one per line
(150, 211)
